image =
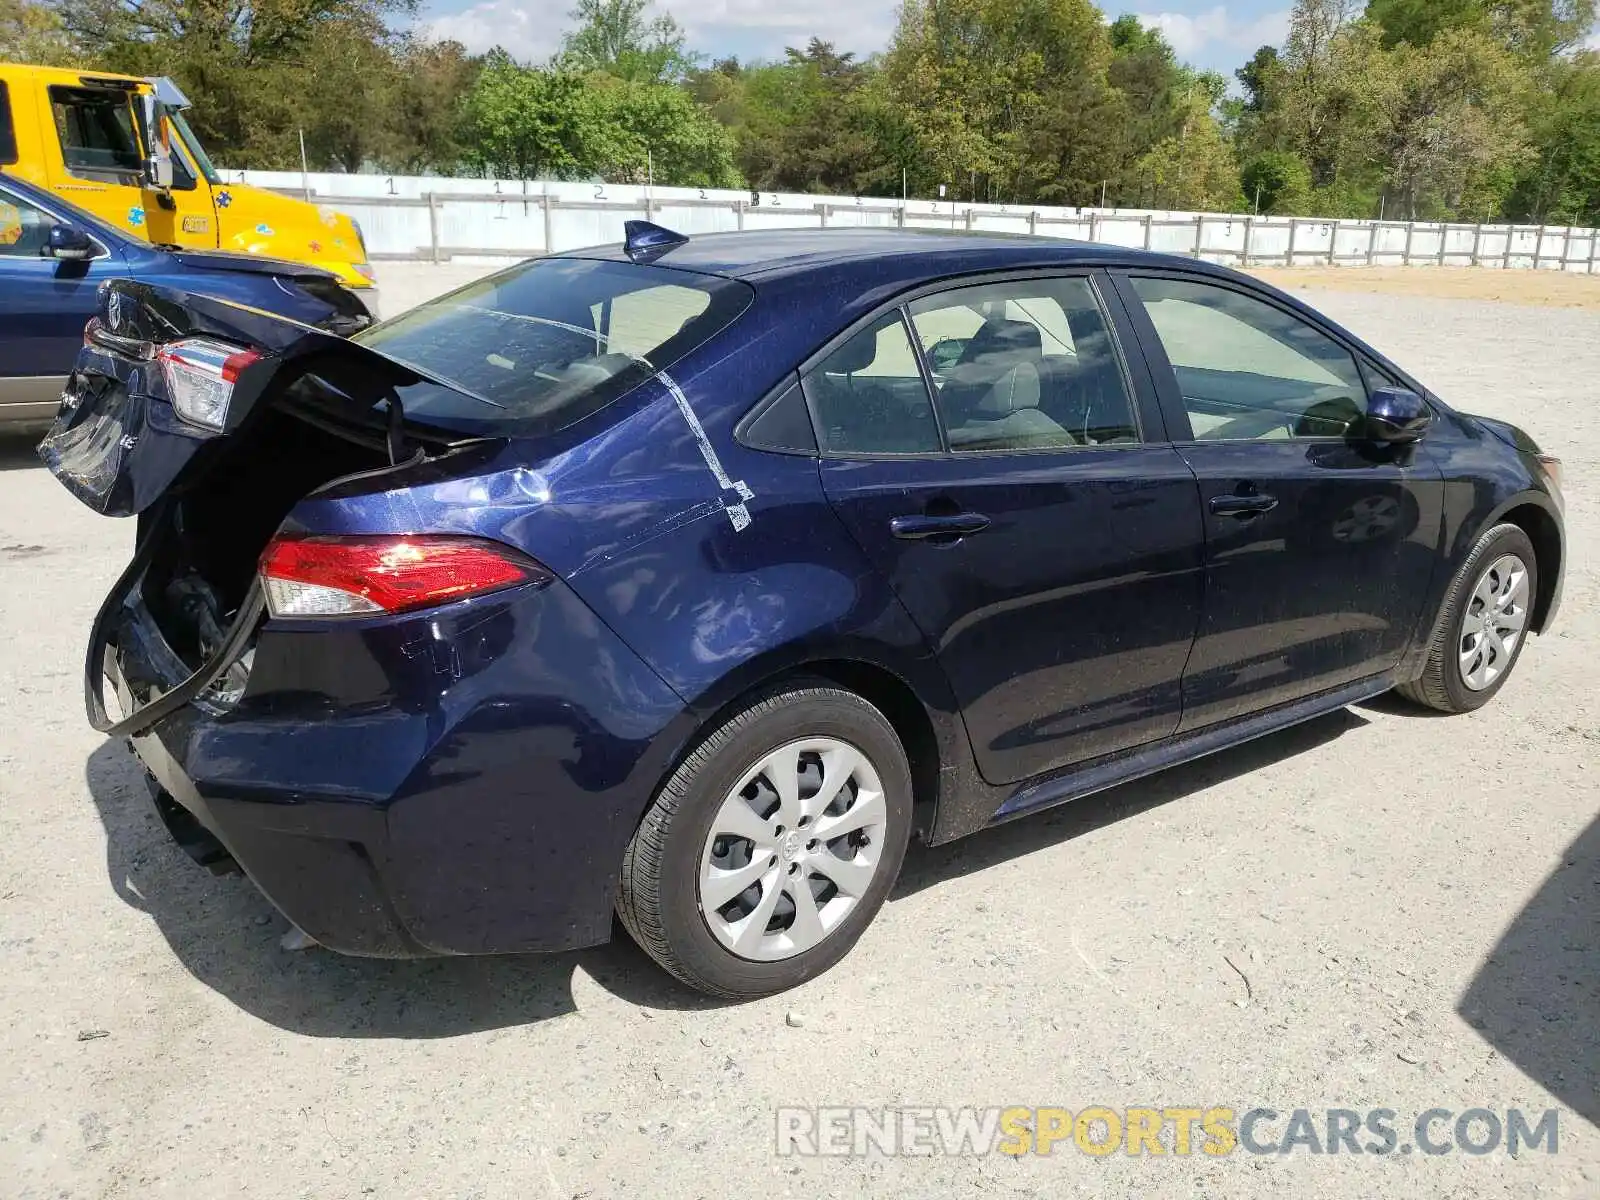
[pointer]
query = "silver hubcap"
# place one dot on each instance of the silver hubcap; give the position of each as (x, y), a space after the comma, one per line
(793, 849)
(1493, 624)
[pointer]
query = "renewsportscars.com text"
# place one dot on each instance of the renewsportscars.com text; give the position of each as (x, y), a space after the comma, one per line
(1179, 1130)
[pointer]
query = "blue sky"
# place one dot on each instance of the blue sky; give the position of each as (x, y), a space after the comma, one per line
(1204, 32)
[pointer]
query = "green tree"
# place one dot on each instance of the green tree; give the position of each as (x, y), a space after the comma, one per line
(807, 123)
(434, 79)
(1417, 21)
(1534, 29)
(1450, 125)
(258, 71)
(1152, 86)
(528, 122)
(523, 122)
(1279, 180)
(1259, 77)
(1561, 181)
(657, 131)
(616, 37)
(1316, 97)
(32, 33)
(1006, 99)
(1194, 170)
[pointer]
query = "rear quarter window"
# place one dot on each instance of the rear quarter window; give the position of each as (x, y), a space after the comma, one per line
(545, 344)
(8, 129)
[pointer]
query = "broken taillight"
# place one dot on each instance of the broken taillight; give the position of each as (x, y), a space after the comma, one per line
(353, 575)
(201, 375)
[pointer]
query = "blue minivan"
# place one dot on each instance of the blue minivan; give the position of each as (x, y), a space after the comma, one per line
(54, 257)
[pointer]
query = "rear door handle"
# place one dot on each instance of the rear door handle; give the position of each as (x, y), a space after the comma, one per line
(915, 529)
(1242, 507)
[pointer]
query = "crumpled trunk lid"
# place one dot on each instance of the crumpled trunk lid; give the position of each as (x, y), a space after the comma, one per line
(118, 443)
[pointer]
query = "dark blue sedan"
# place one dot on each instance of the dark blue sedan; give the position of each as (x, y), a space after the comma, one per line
(687, 579)
(53, 258)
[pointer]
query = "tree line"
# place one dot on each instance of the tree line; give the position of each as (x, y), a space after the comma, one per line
(1470, 110)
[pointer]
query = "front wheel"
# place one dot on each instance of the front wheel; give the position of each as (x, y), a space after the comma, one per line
(1482, 625)
(773, 846)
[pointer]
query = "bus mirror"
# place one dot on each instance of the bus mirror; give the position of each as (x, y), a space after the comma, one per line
(158, 157)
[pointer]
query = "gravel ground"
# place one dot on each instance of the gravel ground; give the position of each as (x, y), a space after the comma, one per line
(1378, 909)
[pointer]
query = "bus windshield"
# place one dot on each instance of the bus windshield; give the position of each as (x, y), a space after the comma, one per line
(193, 146)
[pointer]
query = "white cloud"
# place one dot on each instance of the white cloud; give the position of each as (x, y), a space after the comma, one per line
(504, 23)
(1594, 41)
(532, 29)
(1213, 33)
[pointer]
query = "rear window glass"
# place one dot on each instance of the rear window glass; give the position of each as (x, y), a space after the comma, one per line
(548, 342)
(8, 131)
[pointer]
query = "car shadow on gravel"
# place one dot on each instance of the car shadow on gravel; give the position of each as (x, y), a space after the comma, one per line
(1536, 998)
(927, 867)
(225, 933)
(18, 453)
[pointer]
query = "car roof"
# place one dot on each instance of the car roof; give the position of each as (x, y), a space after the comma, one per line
(766, 253)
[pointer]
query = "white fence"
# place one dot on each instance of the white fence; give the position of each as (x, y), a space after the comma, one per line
(440, 219)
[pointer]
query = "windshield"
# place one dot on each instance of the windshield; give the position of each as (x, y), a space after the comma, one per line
(192, 144)
(546, 343)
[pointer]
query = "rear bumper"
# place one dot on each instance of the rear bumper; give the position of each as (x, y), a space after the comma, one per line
(464, 782)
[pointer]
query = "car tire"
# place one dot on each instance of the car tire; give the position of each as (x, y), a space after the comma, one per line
(1449, 682)
(721, 815)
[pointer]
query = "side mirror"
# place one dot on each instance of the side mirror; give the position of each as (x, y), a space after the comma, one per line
(158, 158)
(1396, 416)
(69, 243)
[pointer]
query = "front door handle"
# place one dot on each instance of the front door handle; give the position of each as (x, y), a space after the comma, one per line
(1242, 507)
(955, 525)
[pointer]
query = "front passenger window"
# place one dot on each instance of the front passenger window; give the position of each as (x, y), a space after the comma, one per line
(1250, 370)
(868, 396)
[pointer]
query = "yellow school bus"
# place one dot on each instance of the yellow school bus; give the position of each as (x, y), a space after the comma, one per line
(120, 147)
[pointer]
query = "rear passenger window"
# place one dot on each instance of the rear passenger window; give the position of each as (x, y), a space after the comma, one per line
(869, 397)
(8, 131)
(1026, 365)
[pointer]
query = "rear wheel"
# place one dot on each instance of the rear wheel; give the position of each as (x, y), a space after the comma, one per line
(1482, 625)
(773, 846)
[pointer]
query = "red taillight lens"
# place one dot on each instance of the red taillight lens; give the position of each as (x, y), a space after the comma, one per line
(347, 576)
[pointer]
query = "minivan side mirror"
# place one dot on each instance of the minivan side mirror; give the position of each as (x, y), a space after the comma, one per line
(1396, 415)
(69, 243)
(158, 158)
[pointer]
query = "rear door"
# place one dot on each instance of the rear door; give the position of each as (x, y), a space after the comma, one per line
(1027, 509)
(1319, 544)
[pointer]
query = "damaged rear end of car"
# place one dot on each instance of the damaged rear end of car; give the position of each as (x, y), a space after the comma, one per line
(327, 643)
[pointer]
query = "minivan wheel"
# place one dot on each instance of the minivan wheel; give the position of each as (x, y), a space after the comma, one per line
(774, 844)
(1482, 625)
